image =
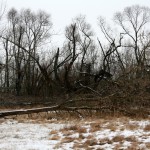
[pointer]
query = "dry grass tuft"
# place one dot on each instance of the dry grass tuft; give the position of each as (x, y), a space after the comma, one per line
(67, 140)
(75, 128)
(147, 127)
(131, 138)
(53, 132)
(2, 120)
(81, 136)
(91, 142)
(78, 146)
(118, 138)
(72, 127)
(112, 127)
(55, 137)
(105, 141)
(90, 136)
(69, 128)
(134, 146)
(57, 146)
(148, 145)
(132, 126)
(95, 127)
(82, 130)
(117, 146)
(67, 133)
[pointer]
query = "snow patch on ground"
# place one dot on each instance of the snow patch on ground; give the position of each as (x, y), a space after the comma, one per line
(22, 136)
(37, 136)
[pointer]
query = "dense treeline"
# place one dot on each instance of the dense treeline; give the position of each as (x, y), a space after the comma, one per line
(83, 64)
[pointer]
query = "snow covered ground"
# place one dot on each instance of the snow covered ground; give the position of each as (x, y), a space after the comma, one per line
(111, 133)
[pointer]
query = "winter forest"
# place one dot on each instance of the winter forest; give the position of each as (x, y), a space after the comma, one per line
(90, 92)
(115, 67)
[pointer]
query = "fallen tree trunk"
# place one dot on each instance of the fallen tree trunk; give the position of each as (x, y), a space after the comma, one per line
(14, 104)
(59, 108)
(100, 106)
(28, 111)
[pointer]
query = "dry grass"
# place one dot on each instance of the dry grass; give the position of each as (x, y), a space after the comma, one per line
(82, 130)
(91, 142)
(81, 136)
(148, 145)
(134, 146)
(112, 126)
(132, 126)
(147, 127)
(79, 146)
(53, 132)
(2, 120)
(82, 141)
(55, 137)
(131, 138)
(67, 133)
(118, 138)
(67, 140)
(95, 127)
(105, 141)
(90, 136)
(57, 146)
(118, 146)
(72, 127)
(75, 128)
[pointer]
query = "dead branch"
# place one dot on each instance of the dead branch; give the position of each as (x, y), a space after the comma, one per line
(86, 87)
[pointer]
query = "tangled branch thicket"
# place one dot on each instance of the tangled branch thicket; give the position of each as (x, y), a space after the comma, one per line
(83, 74)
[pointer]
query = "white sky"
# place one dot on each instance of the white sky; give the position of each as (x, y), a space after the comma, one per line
(62, 11)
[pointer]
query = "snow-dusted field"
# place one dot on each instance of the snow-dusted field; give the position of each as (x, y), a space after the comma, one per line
(107, 134)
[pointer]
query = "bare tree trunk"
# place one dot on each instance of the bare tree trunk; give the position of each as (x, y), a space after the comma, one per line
(6, 67)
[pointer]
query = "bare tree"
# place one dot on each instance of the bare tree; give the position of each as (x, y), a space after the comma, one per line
(16, 34)
(111, 55)
(72, 36)
(133, 21)
(86, 42)
(26, 33)
(37, 32)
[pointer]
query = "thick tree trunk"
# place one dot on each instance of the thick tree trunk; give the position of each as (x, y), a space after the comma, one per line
(27, 111)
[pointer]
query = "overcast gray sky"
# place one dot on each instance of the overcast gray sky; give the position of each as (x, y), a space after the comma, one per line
(62, 11)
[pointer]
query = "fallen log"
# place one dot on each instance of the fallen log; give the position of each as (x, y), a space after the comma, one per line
(14, 104)
(64, 106)
(28, 111)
